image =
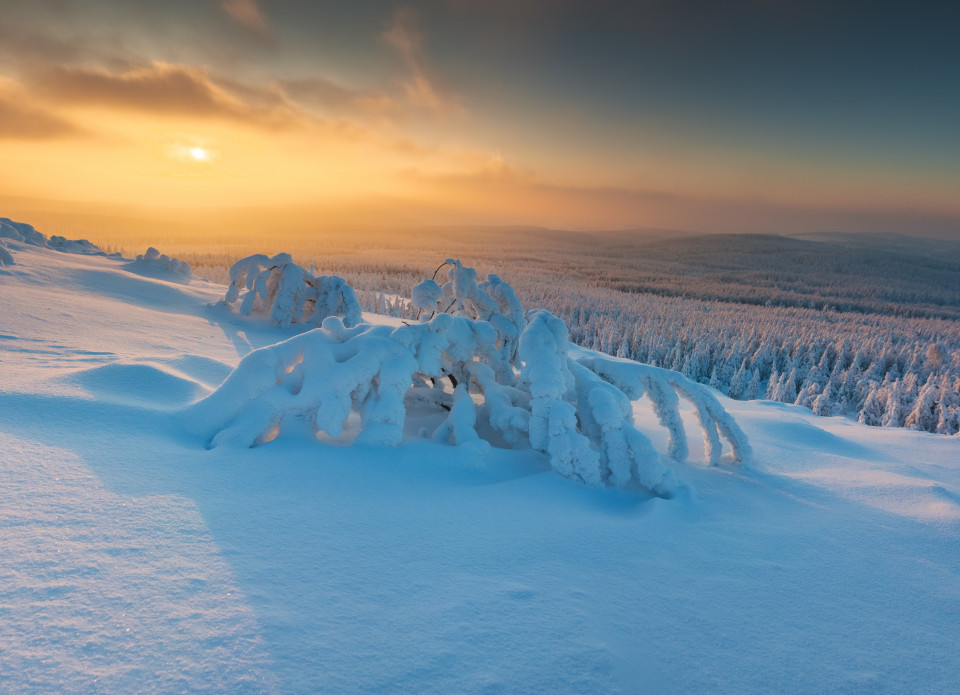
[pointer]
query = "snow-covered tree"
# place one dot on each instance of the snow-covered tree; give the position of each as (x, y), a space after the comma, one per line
(753, 386)
(925, 415)
(289, 294)
(574, 407)
(871, 414)
(823, 404)
(891, 415)
(738, 384)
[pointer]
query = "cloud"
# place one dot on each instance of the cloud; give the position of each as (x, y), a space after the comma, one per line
(168, 89)
(186, 91)
(403, 35)
(20, 120)
(333, 98)
(247, 13)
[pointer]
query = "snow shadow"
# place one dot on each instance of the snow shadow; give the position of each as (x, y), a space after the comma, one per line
(156, 272)
(424, 568)
(136, 291)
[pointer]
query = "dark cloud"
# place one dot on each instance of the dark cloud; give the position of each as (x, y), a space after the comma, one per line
(167, 89)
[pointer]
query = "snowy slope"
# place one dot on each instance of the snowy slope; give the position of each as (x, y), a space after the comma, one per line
(133, 559)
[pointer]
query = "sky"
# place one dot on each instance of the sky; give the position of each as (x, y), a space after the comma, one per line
(748, 116)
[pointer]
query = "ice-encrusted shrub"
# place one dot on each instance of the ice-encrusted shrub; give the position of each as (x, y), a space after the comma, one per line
(573, 406)
(290, 294)
(161, 260)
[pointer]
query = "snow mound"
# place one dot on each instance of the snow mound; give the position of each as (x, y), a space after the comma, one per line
(206, 370)
(289, 294)
(140, 384)
(26, 234)
(22, 232)
(489, 370)
(80, 246)
(154, 259)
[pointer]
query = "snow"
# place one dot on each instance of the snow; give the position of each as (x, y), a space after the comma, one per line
(154, 259)
(289, 294)
(134, 559)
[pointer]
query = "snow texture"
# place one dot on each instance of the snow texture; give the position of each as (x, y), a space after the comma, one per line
(5, 256)
(133, 560)
(289, 294)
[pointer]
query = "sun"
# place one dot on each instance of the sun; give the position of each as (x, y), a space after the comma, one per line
(199, 154)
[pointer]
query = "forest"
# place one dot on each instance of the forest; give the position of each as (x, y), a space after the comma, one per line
(866, 326)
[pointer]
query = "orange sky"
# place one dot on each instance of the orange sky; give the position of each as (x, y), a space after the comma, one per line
(105, 107)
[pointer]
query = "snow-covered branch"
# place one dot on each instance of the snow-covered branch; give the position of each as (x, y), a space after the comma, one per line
(479, 371)
(290, 294)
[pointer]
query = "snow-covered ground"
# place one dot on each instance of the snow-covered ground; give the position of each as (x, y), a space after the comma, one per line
(132, 559)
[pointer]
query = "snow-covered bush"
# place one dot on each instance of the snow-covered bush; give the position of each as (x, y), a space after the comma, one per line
(289, 294)
(456, 372)
(161, 260)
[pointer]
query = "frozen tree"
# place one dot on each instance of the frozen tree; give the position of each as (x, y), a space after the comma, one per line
(773, 387)
(455, 371)
(753, 387)
(891, 415)
(5, 257)
(289, 294)
(871, 414)
(738, 384)
(823, 404)
(949, 420)
(925, 415)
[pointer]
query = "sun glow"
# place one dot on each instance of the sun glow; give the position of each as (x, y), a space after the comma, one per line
(199, 154)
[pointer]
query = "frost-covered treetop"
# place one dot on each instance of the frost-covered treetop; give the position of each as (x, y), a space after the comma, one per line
(478, 371)
(289, 294)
